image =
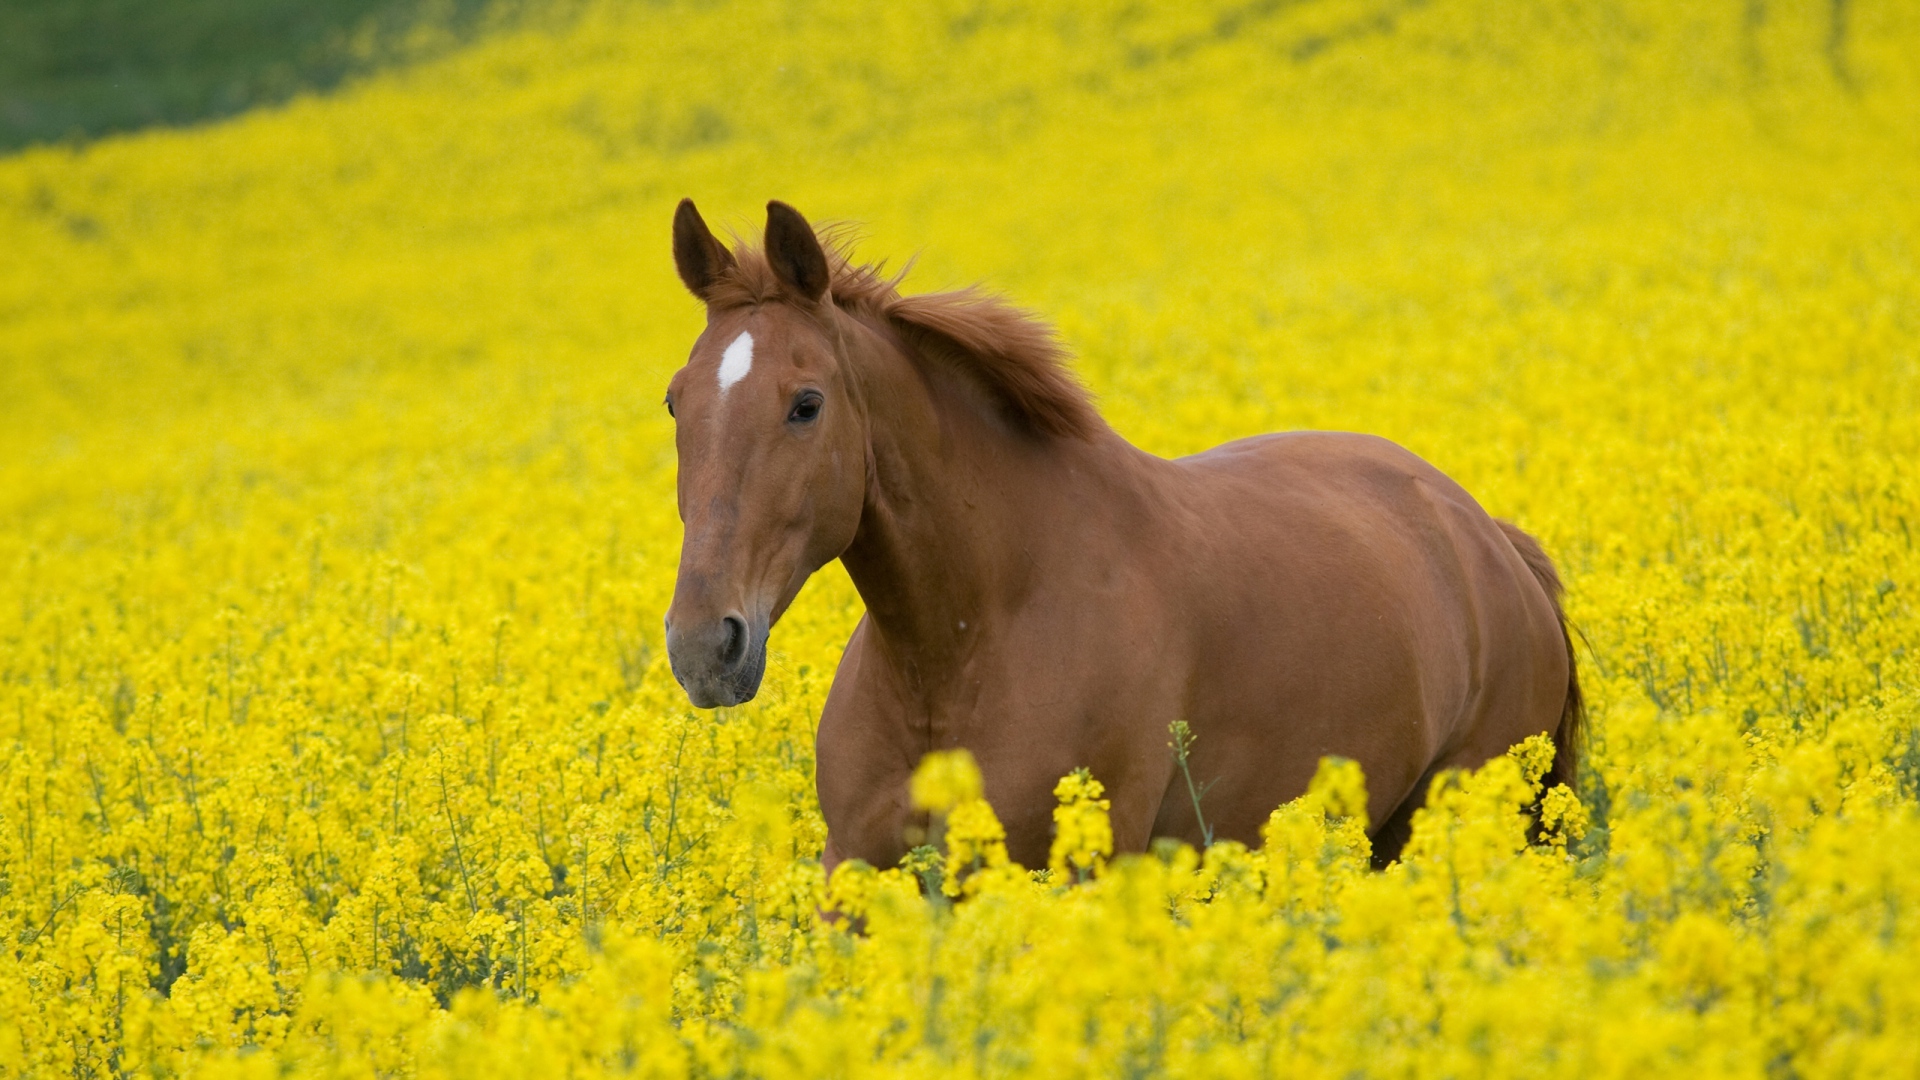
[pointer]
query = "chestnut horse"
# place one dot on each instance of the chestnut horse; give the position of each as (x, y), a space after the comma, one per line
(1047, 596)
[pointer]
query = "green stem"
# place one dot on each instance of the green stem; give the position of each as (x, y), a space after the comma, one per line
(1182, 744)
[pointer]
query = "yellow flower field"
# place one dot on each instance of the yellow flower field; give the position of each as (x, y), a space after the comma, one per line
(337, 527)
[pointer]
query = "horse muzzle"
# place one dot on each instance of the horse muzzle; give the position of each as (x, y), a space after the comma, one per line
(718, 662)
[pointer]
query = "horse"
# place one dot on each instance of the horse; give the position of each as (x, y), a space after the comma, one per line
(1049, 597)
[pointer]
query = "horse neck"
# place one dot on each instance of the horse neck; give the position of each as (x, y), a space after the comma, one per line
(956, 508)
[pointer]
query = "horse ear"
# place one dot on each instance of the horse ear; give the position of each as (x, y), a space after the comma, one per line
(795, 252)
(699, 257)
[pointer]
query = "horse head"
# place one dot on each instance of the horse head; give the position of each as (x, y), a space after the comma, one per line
(771, 436)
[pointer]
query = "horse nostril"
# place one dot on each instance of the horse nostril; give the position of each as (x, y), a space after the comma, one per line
(735, 649)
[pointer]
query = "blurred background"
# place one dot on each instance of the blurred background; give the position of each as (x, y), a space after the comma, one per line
(73, 70)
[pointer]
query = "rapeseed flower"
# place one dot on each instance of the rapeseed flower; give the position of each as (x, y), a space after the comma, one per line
(337, 523)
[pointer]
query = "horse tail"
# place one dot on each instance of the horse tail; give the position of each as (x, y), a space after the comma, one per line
(1571, 732)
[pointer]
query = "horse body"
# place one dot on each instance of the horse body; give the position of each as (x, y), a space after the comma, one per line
(1289, 596)
(1050, 597)
(1384, 617)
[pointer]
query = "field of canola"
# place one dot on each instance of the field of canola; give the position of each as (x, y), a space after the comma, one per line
(336, 528)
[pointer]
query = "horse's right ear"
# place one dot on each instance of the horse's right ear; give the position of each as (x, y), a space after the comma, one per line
(795, 253)
(699, 257)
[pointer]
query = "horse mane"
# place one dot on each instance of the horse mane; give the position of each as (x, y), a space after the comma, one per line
(1014, 353)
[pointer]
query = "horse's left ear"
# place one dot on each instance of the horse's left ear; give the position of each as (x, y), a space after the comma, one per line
(699, 257)
(794, 251)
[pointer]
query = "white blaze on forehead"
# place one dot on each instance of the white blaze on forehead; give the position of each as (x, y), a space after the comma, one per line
(736, 361)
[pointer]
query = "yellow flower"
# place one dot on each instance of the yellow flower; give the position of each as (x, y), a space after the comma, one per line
(522, 877)
(1562, 816)
(1535, 755)
(1340, 789)
(976, 841)
(945, 779)
(1082, 832)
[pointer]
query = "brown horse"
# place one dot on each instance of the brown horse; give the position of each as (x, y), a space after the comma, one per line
(1046, 595)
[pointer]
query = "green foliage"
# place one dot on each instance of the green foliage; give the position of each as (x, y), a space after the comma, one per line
(78, 69)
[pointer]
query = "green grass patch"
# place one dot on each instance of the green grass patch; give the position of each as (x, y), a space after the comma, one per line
(81, 69)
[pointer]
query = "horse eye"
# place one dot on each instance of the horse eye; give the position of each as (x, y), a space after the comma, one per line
(805, 410)
(669, 406)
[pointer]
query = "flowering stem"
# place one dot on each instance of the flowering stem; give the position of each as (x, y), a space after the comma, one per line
(1183, 743)
(446, 804)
